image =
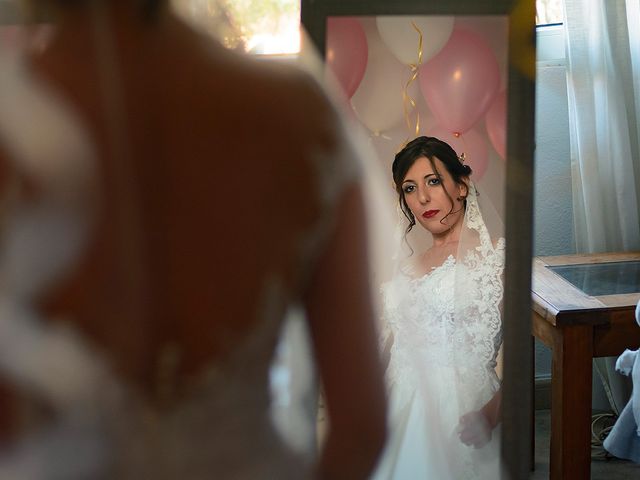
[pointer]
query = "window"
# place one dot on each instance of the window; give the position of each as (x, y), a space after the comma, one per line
(256, 26)
(272, 26)
(550, 32)
(549, 12)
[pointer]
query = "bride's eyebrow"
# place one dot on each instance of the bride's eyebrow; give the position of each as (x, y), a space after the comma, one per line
(424, 178)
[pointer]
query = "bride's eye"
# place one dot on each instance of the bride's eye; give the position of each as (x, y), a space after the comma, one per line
(409, 188)
(433, 181)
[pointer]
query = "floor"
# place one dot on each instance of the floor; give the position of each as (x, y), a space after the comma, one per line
(601, 469)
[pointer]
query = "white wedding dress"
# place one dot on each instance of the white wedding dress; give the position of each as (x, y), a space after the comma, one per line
(101, 427)
(447, 331)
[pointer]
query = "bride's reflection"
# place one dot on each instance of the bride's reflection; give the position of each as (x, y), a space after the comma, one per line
(437, 80)
(443, 324)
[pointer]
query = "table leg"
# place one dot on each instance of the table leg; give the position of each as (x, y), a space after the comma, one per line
(571, 403)
(532, 416)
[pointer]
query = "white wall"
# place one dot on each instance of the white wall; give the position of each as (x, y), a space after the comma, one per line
(553, 214)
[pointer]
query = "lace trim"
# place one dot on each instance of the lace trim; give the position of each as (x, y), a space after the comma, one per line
(228, 404)
(60, 160)
(485, 267)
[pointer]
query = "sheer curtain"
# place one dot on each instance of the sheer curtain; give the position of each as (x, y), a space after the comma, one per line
(603, 75)
(603, 83)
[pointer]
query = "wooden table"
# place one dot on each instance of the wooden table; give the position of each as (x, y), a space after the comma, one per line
(578, 327)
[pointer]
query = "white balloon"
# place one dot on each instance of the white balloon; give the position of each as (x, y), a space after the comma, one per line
(378, 102)
(402, 39)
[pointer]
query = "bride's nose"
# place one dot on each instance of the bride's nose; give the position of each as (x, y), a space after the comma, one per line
(423, 195)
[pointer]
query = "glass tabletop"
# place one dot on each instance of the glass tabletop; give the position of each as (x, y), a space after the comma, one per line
(602, 278)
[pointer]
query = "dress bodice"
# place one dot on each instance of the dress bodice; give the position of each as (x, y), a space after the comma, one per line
(420, 309)
(105, 427)
(448, 320)
(102, 426)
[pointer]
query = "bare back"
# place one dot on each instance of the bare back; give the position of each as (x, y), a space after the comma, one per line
(207, 186)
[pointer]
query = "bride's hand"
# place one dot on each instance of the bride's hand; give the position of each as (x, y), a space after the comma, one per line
(474, 429)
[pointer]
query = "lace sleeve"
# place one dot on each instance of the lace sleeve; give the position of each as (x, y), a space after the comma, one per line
(385, 337)
(338, 166)
(333, 161)
(387, 310)
(47, 148)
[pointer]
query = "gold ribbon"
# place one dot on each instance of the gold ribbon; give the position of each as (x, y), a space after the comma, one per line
(463, 156)
(379, 134)
(408, 103)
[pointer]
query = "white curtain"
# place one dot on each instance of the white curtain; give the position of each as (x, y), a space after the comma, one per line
(603, 83)
(603, 75)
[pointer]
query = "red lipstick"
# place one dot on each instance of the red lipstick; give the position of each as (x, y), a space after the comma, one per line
(430, 213)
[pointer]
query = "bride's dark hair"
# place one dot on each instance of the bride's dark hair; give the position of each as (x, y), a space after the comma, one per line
(429, 148)
(39, 9)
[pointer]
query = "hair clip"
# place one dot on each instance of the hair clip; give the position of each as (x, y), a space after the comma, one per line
(462, 157)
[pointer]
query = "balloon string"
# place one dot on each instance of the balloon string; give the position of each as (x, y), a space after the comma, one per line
(462, 156)
(408, 103)
(379, 134)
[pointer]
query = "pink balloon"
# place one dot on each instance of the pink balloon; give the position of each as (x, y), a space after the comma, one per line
(347, 52)
(496, 123)
(471, 143)
(460, 83)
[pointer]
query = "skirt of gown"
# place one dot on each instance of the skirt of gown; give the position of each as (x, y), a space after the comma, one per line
(424, 442)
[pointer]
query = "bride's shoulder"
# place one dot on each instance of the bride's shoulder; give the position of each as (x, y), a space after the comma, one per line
(407, 268)
(498, 243)
(286, 85)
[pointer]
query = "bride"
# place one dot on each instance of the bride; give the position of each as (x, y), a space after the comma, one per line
(443, 325)
(164, 203)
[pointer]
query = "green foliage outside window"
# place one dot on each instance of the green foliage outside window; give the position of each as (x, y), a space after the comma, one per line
(241, 23)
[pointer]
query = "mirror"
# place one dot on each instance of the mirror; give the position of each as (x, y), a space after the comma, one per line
(423, 68)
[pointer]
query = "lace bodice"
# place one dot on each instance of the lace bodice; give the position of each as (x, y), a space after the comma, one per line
(420, 310)
(421, 316)
(221, 427)
(122, 436)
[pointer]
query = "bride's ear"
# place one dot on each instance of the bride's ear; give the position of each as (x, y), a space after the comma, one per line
(463, 187)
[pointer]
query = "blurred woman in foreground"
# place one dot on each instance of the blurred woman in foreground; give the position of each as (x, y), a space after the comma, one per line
(165, 201)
